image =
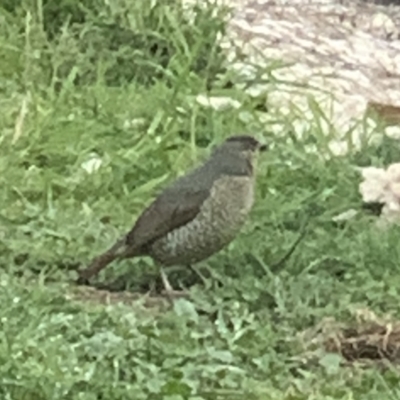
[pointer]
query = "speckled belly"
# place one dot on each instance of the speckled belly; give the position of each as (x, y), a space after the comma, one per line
(217, 224)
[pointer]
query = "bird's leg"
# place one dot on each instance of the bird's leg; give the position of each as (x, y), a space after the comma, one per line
(164, 278)
(197, 271)
(168, 289)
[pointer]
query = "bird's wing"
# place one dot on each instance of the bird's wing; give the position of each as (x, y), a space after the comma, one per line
(169, 211)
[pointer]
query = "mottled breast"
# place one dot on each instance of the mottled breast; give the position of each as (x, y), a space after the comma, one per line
(219, 220)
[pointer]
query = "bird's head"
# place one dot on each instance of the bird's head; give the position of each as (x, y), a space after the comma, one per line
(243, 144)
(239, 152)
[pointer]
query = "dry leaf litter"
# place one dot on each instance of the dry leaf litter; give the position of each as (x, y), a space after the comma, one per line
(366, 339)
(382, 186)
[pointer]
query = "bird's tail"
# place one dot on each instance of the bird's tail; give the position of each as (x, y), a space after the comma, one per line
(100, 262)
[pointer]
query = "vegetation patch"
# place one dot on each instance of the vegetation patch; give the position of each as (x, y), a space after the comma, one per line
(103, 103)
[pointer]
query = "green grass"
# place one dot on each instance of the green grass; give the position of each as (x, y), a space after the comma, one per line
(96, 89)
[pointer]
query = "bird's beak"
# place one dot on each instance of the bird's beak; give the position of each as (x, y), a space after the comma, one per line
(262, 147)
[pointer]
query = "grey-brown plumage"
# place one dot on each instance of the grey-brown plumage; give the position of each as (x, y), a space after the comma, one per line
(197, 215)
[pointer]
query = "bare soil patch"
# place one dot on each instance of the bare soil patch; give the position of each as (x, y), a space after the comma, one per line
(92, 296)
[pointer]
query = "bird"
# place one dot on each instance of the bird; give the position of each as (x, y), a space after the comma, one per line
(194, 217)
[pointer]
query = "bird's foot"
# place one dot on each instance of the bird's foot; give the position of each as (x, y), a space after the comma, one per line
(168, 291)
